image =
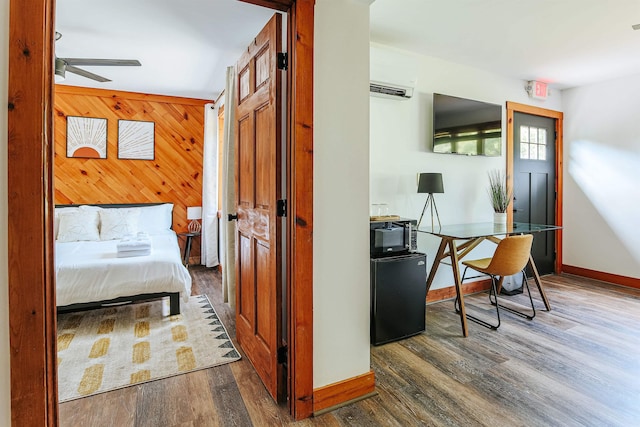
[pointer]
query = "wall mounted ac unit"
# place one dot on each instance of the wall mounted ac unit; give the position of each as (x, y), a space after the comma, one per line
(393, 91)
(392, 74)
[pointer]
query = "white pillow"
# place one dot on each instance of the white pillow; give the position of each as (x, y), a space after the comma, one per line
(81, 225)
(118, 222)
(90, 208)
(156, 219)
(56, 218)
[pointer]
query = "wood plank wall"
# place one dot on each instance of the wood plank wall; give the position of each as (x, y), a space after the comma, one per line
(175, 175)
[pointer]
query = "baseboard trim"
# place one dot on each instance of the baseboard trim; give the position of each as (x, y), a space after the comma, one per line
(441, 294)
(348, 402)
(604, 277)
(343, 392)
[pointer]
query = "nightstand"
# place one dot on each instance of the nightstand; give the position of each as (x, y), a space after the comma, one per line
(187, 246)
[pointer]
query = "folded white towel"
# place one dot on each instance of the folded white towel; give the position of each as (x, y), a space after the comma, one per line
(133, 245)
(140, 252)
(140, 245)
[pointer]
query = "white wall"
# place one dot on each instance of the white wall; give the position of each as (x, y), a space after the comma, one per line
(602, 177)
(5, 390)
(401, 143)
(341, 199)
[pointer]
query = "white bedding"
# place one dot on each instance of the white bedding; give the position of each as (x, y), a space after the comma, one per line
(89, 271)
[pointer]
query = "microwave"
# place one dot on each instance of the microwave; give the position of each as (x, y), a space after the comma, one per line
(393, 237)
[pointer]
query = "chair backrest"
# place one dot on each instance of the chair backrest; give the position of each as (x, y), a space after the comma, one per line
(511, 255)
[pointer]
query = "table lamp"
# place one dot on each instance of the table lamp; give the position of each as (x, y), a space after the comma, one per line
(194, 213)
(430, 183)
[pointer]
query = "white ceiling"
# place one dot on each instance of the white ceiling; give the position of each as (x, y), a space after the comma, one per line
(184, 46)
(565, 43)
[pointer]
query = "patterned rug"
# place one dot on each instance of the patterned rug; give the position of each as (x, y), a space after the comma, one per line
(111, 348)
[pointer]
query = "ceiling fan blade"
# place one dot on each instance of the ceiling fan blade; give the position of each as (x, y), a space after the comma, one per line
(102, 62)
(87, 74)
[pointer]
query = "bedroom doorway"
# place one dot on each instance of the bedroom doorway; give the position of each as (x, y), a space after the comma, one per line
(33, 374)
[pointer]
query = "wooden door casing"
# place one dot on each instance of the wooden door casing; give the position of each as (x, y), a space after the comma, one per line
(258, 183)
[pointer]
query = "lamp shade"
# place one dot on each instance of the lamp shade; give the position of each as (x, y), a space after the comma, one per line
(194, 212)
(430, 183)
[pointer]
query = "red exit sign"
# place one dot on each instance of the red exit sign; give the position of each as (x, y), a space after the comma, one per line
(537, 89)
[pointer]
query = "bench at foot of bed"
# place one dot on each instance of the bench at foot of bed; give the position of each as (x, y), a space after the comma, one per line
(174, 302)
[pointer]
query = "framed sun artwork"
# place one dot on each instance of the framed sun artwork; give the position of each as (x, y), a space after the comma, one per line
(86, 137)
(136, 140)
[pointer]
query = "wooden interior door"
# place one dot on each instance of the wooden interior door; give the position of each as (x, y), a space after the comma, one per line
(258, 184)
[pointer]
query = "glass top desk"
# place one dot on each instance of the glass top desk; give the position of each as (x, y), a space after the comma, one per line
(472, 235)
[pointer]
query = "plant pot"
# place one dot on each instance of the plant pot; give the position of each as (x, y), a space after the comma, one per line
(500, 218)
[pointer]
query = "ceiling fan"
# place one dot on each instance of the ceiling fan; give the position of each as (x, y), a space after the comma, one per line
(70, 64)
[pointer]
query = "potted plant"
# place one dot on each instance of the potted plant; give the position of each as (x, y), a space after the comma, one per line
(500, 195)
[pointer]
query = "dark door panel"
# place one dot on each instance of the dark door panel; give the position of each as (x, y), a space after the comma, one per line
(534, 182)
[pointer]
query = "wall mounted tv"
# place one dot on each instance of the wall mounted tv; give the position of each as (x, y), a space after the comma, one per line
(464, 126)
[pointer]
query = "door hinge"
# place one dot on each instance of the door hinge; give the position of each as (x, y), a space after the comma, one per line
(281, 207)
(282, 354)
(283, 60)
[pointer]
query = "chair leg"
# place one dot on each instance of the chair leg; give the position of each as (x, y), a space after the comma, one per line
(492, 290)
(456, 302)
(533, 308)
(519, 313)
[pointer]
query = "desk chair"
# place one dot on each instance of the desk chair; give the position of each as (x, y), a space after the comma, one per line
(511, 256)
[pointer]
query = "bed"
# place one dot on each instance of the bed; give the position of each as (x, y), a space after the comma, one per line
(93, 267)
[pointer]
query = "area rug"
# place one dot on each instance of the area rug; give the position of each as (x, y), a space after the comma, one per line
(111, 348)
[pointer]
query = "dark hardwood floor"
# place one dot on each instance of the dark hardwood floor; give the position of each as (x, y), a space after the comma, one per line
(577, 365)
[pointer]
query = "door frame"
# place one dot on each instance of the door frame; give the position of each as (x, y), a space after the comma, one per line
(512, 108)
(31, 277)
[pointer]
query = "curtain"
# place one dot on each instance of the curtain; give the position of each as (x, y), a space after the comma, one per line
(228, 228)
(209, 237)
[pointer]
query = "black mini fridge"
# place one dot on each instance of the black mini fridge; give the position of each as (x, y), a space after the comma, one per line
(398, 297)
